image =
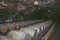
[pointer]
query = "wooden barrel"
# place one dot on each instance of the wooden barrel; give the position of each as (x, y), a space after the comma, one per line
(42, 25)
(26, 23)
(21, 24)
(18, 35)
(35, 28)
(39, 25)
(3, 28)
(38, 30)
(46, 25)
(11, 26)
(4, 38)
(33, 33)
(17, 25)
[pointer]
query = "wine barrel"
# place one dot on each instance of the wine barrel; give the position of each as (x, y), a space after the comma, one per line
(33, 33)
(17, 26)
(42, 25)
(38, 30)
(18, 35)
(11, 26)
(39, 25)
(35, 28)
(4, 38)
(26, 23)
(45, 27)
(21, 24)
(3, 28)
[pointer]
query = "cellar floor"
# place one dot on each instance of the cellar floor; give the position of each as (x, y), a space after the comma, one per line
(56, 35)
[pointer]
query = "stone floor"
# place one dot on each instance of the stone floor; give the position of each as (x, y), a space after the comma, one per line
(56, 35)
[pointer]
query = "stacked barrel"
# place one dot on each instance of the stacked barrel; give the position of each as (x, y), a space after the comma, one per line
(40, 28)
(4, 28)
(37, 31)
